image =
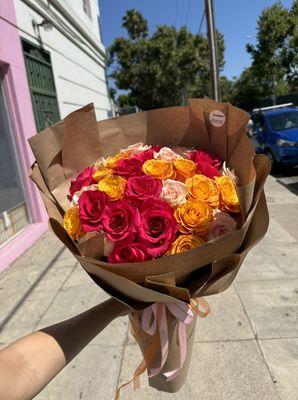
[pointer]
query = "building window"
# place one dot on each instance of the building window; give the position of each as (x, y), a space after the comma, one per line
(87, 8)
(13, 210)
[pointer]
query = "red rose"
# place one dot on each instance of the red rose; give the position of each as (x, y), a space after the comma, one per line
(127, 252)
(145, 155)
(207, 162)
(91, 207)
(85, 178)
(128, 167)
(120, 220)
(141, 188)
(158, 228)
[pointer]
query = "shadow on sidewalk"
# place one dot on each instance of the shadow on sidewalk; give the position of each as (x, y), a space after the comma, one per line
(32, 287)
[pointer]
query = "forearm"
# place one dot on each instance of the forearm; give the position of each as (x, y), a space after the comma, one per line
(29, 364)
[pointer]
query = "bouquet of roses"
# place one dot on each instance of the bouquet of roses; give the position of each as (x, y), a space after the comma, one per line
(162, 222)
(152, 201)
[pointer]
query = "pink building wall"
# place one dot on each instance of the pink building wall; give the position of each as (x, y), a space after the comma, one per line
(22, 118)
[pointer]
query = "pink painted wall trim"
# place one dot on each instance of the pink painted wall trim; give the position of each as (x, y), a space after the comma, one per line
(21, 114)
(21, 242)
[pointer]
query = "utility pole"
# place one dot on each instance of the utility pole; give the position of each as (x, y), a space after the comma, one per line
(209, 10)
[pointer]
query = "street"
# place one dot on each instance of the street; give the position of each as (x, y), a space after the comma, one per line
(246, 349)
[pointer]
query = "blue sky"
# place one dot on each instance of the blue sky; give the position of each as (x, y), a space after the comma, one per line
(236, 19)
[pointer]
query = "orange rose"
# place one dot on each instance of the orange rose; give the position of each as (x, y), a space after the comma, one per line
(113, 186)
(193, 216)
(184, 243)
(102, 173)
(184, 168)
(228, 199)
(160, 169)
(202, 188)
(112, 162)
(72, 223)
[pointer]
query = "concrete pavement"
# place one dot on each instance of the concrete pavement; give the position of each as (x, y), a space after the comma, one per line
(246, 349)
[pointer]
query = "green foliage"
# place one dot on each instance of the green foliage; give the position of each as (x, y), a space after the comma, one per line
(112, 92)
(274, 57)
(226, 87)
(289, 53)
(161, 69)
(247, 87)
(158, 70)
(135, 24)
(124, 100)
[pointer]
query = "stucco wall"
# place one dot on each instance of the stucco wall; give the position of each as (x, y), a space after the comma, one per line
(78, 65)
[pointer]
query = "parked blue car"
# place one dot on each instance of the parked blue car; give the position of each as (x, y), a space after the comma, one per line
(274, 132)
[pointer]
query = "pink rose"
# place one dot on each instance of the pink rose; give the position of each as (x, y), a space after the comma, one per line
(127, 252)
(120, 220)
(158, 228)
(141, 188)
(165, 153)
(135, 148)
(85, 178)
(145, 155)
(221, 225)
(173, 192)
(207, 162)
(91, 207)
(129, 167)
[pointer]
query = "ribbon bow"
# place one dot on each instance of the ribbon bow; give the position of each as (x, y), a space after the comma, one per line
(154, 318)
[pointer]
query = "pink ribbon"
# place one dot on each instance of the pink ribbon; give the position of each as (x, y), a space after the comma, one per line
(155, 317)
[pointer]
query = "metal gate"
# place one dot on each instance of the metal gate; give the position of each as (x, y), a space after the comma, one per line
(42, 85)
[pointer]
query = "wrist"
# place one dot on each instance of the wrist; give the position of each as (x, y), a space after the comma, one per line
(117, 308)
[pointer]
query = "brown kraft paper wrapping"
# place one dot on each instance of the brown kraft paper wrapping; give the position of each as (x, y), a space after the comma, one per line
(65, 148)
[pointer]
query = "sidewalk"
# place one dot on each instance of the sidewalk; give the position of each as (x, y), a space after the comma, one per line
(246, 349)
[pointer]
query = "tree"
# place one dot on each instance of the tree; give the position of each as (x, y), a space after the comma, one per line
(135, 24)
(124, 100)
(247, 89)
(158, 71)
(290, 52)
(275, 54)
(226, 87)
(112, 92)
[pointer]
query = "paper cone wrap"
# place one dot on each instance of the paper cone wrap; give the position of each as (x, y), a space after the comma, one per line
(64, 149)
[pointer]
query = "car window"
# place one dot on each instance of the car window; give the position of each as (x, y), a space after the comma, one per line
(257, 121)
(283, 121)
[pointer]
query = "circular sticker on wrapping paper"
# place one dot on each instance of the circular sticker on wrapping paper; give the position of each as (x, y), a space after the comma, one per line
(217, 118)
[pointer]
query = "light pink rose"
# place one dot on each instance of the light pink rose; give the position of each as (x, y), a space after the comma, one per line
(76, 196)
(173, 192)
(183, 151)
(221, 225)
(135, 148)
(230, 173)
(108, 246)
(165, 153)
(99, 163)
